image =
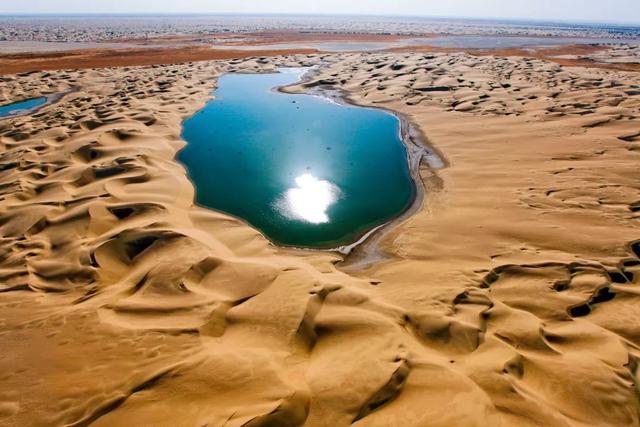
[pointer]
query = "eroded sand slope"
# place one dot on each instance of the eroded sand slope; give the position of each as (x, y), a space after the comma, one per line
(510, 298)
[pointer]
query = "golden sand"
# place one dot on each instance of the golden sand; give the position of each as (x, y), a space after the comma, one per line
(508, 299)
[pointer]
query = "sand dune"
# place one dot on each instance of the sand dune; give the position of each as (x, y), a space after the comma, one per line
(508, 299)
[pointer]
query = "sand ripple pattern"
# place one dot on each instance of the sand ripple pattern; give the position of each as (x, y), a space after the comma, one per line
(513, 302)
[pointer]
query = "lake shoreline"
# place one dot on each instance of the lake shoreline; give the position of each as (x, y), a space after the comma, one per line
(50, 100)
(365, 250)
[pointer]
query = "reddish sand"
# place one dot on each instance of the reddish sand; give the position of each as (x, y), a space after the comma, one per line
(99, 58)
(269, 37)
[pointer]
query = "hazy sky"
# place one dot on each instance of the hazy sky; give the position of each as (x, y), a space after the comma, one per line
(626, 11)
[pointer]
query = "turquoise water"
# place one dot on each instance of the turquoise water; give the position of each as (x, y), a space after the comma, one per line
(304, 170)
(20, 106)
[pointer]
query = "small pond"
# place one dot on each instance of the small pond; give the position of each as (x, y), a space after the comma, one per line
(21, 107)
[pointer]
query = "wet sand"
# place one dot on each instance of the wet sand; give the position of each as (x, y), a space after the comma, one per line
(365, 250)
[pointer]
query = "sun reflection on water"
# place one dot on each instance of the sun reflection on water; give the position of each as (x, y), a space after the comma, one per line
(310, 200)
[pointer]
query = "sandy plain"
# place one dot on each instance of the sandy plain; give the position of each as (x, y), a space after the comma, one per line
(508, 298)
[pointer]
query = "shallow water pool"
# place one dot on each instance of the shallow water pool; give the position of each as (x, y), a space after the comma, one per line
(16, 108)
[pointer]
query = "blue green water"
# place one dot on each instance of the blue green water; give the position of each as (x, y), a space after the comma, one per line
(304, 170)
(20, 106)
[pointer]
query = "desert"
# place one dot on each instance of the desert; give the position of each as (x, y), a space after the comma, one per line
(505, 296)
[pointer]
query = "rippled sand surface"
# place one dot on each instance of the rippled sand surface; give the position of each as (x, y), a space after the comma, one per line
(508, 298)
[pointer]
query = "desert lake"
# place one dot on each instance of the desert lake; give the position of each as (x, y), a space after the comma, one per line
(303, 169)
(16, 108)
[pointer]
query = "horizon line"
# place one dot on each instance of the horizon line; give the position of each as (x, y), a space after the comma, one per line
(306, 14)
